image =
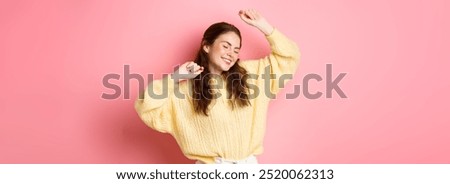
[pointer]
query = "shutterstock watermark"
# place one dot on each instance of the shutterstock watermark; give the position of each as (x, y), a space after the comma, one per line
(331, 84)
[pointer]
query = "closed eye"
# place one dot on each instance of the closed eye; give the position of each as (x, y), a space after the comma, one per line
(227, 45)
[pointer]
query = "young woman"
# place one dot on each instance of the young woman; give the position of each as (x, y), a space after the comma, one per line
(216, 105)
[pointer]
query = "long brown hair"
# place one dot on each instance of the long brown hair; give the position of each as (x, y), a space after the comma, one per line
(236, 76)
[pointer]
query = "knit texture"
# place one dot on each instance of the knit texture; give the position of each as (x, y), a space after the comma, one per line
(232, 134)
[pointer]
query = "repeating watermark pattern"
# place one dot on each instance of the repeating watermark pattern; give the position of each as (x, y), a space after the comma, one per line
(331, 84)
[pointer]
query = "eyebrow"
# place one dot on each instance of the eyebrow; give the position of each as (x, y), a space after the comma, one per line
(230, 45)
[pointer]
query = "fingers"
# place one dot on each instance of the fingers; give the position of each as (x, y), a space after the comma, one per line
(200, 70)
(189, 64)
(243, 16)
(255, 14)
(197, 69)
(187, 70)
(250, 14)
(194, 68)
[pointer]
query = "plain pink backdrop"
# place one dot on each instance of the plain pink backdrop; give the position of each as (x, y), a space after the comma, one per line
(54, 55)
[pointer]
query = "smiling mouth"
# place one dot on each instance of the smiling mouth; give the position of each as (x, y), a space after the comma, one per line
(227, 60)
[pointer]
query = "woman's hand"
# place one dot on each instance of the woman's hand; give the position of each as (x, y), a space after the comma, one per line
(187, 70)
(253, 18)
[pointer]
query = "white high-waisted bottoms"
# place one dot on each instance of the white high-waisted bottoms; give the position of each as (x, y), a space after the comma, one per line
(218, 160)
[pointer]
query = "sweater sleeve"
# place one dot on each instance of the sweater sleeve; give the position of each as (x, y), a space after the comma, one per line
(155, 107)
(281, 62)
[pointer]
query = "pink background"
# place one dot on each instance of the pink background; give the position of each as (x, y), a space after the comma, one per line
(54, 55)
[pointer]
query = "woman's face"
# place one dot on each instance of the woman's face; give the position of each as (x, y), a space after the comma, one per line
(223, 53)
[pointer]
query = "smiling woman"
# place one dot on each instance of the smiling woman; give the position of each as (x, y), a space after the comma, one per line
(223, 51)
(217, 125)
(218, 54)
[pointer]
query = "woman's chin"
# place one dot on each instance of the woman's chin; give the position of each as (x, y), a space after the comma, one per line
(226, 68)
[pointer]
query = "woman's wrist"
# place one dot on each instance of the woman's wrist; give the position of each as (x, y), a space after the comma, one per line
(266, 28)
(176, 78)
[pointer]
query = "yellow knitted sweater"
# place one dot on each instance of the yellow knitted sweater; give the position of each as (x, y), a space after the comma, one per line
(232, 134)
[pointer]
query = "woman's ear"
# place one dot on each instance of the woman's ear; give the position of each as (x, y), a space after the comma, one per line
(206, 48)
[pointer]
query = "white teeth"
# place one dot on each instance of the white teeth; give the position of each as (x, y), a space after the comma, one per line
(227, 60)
